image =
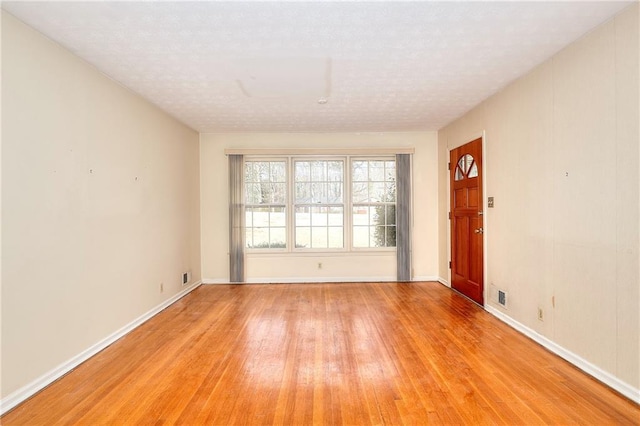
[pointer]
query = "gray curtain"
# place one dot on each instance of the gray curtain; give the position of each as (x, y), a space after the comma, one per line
(236, 218)
(403, 216)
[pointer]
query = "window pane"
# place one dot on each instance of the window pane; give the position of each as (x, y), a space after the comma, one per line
(278, 217)
(360, 192)
(334, 195)
(260, 238)
(248, 218)
(303, 193)
(249, 172)
(252, 193)
(474, 171)
(391, 214)
(278, 171)
(319, 237)
(278, 238)
(359, 171)
(248, 237)
(303, 216)
(303, 237)
(278, 193)
(376, 215)
(376, 170)
(335, 171)
(319, 171)
(391, 236)
(376, 192)
(462, 165)
(378, 234)
(468, 159)
(336, 237)
(336, 217)
(318, 192)
(390, 170)
(458, 175)
(318, 216)
(303, 171)
(360, 216)
(390, 192)
(361, 236)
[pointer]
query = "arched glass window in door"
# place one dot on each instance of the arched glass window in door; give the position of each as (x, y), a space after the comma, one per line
(466, 168)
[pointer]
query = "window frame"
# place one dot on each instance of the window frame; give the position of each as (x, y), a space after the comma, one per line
(352, 204)
(269, 205)
(347, 204)
(292, 222)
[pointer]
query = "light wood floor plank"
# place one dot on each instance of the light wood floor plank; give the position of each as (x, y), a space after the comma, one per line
(366, 353)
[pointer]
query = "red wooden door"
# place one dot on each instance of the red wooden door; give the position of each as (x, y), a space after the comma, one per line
(466, 220)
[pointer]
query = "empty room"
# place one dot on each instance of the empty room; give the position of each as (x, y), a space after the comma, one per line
(321, 212)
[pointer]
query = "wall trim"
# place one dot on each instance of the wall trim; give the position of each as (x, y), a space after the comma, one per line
(324, 280)
(302, 280)
(425, 278)
(320, 279)
(25, 392)
(444, 282)
(207, 281)
(607, 378)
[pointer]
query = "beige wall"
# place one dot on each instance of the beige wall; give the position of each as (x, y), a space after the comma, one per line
(100, 204)
(562, 163)
(214, 207)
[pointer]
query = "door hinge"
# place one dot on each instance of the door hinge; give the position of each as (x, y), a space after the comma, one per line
(449, 215)
(449, 264)
(448, 166)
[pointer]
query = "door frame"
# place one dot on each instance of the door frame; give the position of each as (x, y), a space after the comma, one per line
(485, 226)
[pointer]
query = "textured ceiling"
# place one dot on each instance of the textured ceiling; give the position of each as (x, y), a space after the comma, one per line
(380, 66)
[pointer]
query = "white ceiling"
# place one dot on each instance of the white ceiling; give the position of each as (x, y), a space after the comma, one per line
(249, 66)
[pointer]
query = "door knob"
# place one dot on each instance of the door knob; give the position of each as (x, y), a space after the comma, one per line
(479, 231)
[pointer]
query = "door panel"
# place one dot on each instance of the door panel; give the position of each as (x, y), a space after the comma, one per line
(472, 197)
(461, 198)
(466, 220)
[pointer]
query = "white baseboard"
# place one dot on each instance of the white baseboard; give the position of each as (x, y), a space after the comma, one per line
(215, 281)
(323, 280)
(20, 395)
(593, 370)
(320, 280)
(425, 278)
(444, 282)
(302, 280)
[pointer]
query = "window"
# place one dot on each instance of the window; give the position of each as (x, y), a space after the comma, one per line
(466, 167)
(374, 203)
(319, 208)
(307, 201)
(265, 204)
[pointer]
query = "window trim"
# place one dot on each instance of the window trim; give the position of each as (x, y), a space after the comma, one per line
(286, 204)
(368, 204)
(347, 158)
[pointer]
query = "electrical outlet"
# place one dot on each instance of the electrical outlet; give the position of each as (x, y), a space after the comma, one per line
(540, 314)
(161, 287)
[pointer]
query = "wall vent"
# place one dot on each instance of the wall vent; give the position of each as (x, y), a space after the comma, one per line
(502, 298)
(185, 278)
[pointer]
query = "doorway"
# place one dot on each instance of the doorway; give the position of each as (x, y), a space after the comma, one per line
(466, 215)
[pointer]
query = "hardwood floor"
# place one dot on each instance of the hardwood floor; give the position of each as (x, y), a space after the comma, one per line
(325, 354)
